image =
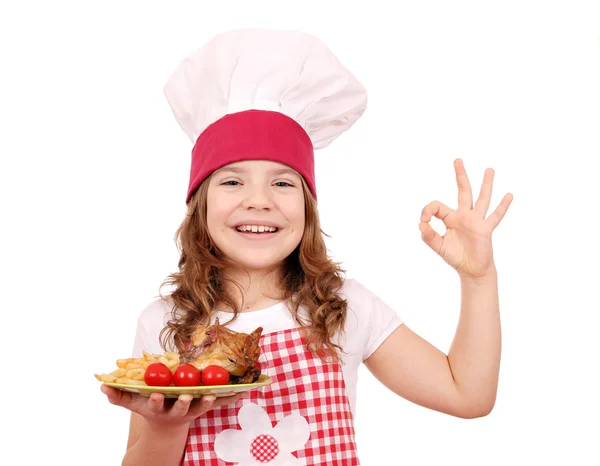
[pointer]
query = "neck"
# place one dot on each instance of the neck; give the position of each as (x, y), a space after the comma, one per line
(257, 288)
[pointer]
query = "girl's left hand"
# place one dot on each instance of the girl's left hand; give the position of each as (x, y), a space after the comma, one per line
(467, 243)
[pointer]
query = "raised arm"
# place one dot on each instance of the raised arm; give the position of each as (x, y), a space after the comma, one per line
(464, 382)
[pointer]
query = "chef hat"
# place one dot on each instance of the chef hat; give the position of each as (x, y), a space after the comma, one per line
(255, 94)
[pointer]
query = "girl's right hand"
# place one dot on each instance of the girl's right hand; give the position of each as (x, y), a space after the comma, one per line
(161, 413)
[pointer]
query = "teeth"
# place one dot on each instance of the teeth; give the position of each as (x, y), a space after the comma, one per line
(256, 229)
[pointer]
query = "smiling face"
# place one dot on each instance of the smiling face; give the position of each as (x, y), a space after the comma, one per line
(255, 212)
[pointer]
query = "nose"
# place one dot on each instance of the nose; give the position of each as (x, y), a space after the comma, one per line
(257, 198)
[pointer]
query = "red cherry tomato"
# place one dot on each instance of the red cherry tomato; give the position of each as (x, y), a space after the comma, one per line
(186, 375)
(158, 375)
(215, 375)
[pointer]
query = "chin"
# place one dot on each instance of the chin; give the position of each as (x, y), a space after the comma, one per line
(255, 262)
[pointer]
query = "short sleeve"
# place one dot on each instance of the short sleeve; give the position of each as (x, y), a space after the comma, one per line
(382, 321)
(373, 319)
(150, 323)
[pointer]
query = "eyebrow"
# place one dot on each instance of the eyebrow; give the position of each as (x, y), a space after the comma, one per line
(279, 171)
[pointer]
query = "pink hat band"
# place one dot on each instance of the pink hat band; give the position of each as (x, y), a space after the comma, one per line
(252, 135)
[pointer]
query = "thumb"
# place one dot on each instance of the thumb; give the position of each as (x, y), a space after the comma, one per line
(430, 237)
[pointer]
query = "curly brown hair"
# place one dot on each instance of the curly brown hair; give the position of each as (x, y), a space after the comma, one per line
(308, 278)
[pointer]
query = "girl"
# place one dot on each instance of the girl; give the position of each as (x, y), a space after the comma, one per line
(255, 104)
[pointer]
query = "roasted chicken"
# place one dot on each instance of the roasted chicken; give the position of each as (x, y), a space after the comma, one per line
(217, 345)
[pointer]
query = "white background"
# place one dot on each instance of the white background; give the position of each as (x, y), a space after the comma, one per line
(94, 173)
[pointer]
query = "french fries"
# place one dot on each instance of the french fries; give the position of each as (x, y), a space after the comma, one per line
(131, 371)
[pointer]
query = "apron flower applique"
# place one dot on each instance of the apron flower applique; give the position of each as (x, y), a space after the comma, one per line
(258, 441)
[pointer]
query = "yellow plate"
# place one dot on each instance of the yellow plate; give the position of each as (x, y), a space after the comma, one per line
(196, 392)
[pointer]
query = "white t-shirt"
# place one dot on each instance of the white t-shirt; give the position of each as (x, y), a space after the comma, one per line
(369, 321)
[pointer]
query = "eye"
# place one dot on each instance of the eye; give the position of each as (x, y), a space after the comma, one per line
(283, 184)
(231, 183)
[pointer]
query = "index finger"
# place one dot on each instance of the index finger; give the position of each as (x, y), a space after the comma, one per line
(435, 209)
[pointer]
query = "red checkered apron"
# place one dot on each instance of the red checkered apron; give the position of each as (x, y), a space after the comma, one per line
(302, 384)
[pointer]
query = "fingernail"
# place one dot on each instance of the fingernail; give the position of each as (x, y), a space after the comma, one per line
(209, 398)
(186, 397)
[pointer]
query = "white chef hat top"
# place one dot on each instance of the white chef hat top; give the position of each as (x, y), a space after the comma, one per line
(288, 72)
